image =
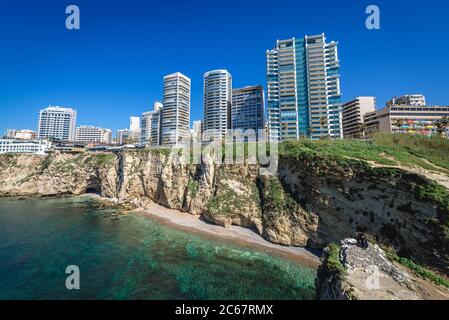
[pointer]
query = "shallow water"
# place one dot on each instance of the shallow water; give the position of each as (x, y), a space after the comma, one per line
(132, 257)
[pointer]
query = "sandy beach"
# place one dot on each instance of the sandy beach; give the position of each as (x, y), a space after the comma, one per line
(235, 234)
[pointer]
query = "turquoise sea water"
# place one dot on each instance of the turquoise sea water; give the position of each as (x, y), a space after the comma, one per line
(132, 257)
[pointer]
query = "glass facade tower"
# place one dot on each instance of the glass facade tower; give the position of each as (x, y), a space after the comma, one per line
(303, 89)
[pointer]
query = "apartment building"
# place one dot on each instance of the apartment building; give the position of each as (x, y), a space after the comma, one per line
(217, 103)
(352, 116)
(247, 111)
(303, 89)
(176, 109)
(151, 125)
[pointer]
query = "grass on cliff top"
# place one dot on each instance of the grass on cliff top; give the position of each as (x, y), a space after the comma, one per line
(387, 149)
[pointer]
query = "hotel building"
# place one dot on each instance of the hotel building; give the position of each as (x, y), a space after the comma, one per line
(303, 89)
(217, 103)
(90, 134)
(353, 112)
(248, 108)
(57, 123)
(176, 109)
(151, 125)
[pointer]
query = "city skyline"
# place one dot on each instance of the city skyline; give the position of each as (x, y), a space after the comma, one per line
(106, 101)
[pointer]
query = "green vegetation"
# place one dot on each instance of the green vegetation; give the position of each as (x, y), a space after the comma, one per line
(104, 159)
(225, 203)
(387, 149)
(435, 193)
(279, 205)
(156, 151)
(231, 200)
(333, 264)
(96, 159)
(193, 187)
(277, 198)
(46, 163)
(419, 270)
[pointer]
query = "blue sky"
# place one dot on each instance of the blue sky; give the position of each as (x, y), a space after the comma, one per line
(113, 67)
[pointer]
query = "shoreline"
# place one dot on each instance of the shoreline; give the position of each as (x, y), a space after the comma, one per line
(195, 224)
(240, 236)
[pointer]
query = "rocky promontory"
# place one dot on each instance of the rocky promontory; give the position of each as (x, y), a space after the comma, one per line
(350, 272)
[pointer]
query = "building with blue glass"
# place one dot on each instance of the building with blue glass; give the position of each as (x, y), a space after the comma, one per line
(303, 89)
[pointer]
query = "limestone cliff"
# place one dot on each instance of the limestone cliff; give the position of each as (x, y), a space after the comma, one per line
(312, 201)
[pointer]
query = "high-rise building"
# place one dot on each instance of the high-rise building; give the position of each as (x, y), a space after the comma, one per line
(151, 125)
(134, 128)
(248, 108)
(57, 123)
(415, 100)
(217, 102)
(176, 109)
(353, 112)
(91, 134)
(304, 98)
(134, 124)
(197, 130)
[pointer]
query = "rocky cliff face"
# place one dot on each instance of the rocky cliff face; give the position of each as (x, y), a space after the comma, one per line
(355, 273)
(312, 201)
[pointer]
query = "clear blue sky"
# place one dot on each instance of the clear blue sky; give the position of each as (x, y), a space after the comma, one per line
(113, 67)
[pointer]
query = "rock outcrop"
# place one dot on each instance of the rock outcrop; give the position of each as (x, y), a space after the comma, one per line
(312, 201)
(367, 274)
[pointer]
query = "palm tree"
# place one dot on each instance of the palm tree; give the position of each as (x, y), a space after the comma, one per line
(399, 123)
(442, 124)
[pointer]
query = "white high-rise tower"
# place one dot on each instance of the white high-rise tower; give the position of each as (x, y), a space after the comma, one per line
(217, 102)
(176, 109)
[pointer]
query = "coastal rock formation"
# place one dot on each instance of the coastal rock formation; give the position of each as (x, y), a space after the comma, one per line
(313, 200)
(350, 272)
